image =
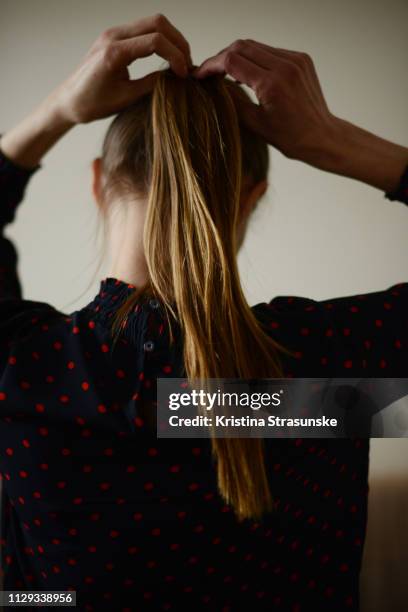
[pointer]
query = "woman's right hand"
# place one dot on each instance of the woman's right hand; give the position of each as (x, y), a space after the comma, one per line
(101, 85)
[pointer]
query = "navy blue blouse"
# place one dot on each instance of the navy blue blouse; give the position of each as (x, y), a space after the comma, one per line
(93, 502)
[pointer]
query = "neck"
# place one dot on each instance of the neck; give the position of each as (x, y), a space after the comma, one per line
(128, 262)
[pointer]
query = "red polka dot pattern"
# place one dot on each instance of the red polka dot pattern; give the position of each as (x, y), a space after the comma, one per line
(92, 501)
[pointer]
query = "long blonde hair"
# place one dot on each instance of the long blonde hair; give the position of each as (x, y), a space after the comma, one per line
(184, 147)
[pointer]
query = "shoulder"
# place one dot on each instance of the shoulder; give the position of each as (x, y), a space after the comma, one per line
(291, 310)
(19, 317)
(366, 331)
(376, 302)
(300, 324)
(22, 319)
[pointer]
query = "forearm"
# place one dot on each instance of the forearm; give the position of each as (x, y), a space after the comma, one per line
(29, 141)
(361, 155)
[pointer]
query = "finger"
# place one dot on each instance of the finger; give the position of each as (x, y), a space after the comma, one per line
(212, 65)
(260, 53)
(140, 87)
(156, 23)
(268, 53)
(235, 65)
(301, 59)
(286, 54)
(251, 50)
(264, 57)
(130, 49)
(280, 65)
(249, 113)
(277, 51)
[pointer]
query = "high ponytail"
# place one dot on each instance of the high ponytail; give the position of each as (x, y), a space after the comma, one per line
(193, 168)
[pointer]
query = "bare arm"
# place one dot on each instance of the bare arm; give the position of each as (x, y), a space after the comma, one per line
(99, 87)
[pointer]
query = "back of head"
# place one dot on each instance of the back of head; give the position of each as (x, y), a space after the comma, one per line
(182, 146)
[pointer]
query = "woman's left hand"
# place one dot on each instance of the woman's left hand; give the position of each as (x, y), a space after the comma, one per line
(101, 85)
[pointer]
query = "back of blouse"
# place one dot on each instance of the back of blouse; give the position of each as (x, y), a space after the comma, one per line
(93, 502)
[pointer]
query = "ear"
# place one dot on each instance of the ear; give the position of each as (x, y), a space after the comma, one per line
(96, 180)
(251, 196)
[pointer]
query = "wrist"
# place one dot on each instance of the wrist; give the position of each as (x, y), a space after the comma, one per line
(359, 154)
(32, 138)
(330, 152)
(53, 116)
(323, 147)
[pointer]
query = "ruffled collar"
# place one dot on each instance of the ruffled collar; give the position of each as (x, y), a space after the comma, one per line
(112, 293)
(114, 290)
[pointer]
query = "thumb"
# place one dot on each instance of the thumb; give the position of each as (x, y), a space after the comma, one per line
(249, 113)
(137, 88)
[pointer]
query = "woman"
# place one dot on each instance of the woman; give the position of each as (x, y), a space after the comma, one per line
(92, 501)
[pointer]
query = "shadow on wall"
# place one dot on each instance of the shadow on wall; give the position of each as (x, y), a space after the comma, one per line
(383, 583)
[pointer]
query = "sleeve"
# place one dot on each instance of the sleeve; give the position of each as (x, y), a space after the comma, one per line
(379, 319)
(401, 192)
(365, 334)
(376, 324)
(362, 336)
(16, 315)
(13, 181)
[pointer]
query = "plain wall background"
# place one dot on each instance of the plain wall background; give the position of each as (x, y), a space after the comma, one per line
(315, 234)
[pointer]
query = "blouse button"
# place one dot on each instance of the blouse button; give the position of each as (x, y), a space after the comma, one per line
(154, 303)
(148, 346)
